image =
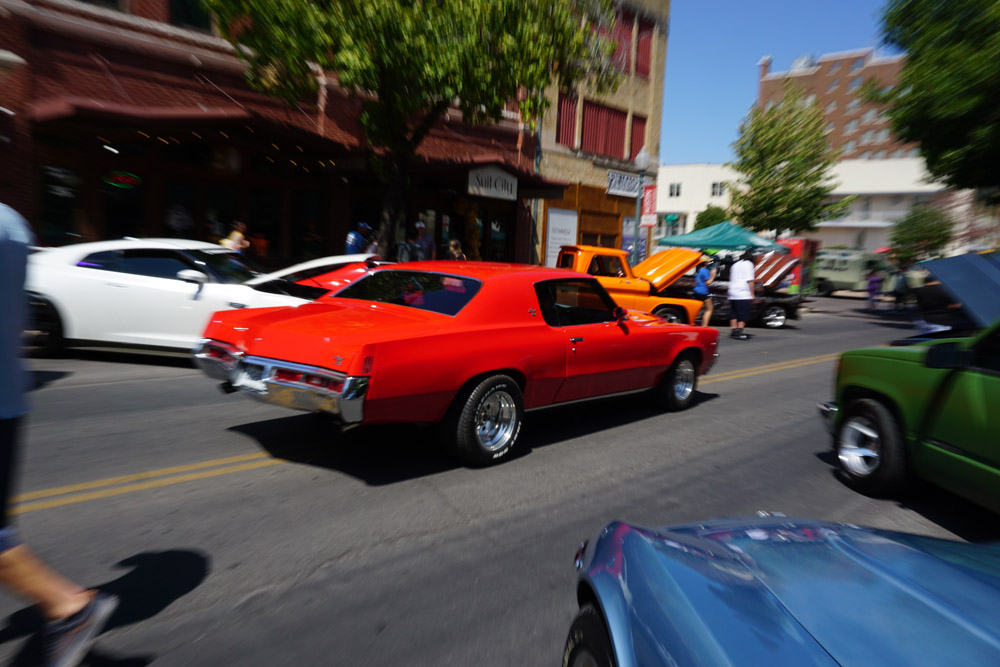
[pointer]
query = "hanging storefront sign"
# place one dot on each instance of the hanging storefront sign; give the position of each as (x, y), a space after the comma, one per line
(648, 218)
(123, 180)
(623, 184)
(561, 230)
(492, 182)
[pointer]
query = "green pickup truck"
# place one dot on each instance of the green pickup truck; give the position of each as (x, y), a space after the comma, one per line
(927, 407)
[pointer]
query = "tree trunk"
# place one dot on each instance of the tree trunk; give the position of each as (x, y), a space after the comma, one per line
(393, 206)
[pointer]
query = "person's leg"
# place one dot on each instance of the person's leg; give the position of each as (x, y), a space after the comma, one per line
(20, 570)
(709, 307)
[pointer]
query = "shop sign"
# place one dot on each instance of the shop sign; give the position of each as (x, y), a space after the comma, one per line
(648, 218)
(623, 184)
(492, 182)
(122, 179)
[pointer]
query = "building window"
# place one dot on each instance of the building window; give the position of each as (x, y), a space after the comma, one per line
(829, 127)
(853, 105)
(718, 189)
(603, 130)
(638, 135)
(858, 64)
(833, 84)
(900, 153)
(914, 152)
(831, 107)
(852, 126)
(644, 48)
(566, 121)
(622, 34)
(882, 135)
(190, 14)
(868, 116)
(850, 146)
(866, 138)
(809, 99)
(674, 190)
(834, 67)
(879, 155)
(855, 82)
(865, 155)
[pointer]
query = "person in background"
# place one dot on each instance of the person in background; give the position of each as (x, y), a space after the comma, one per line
(74, 616)
(741, 290)
(409, 250)
(356, 239)
(704, 276)
(900, 289)
(455, 250)
(425, 242)
(874, 289)
(939, 312)
(259, 244)
(237, 238)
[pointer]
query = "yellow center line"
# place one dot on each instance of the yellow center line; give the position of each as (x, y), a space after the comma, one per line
(112, 481)
(153, 479)
(142, 486)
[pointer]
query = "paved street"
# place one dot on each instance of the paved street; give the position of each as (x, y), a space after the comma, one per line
(239, 533)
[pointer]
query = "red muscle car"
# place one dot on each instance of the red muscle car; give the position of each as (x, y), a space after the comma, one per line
(469, 345)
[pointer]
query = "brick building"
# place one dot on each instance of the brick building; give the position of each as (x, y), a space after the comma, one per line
(590, 140)
(131, 117)
(833, 81)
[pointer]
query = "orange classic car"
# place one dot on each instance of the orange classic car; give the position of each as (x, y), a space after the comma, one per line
(468, 345)
(643, 286)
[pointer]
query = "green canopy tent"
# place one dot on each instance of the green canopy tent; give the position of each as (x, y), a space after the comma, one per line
(723, 236)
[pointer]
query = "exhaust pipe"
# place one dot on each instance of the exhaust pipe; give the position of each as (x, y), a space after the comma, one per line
(227, 387)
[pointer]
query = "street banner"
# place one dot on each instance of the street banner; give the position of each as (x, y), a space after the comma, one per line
(560, 231)
(628, 231)
(648, 207)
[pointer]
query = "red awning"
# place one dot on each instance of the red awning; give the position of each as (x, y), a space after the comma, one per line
(62, 108)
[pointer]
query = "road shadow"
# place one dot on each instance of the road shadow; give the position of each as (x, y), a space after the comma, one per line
(387, 454)
(170, 359)
(154, 581)
(553, 425)
(377, 455)
(42, 379)
(955, 514)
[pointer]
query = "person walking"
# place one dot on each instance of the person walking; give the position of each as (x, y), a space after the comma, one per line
(237, 238)
(356, 239)
(874, 289)
(455, 250)
(425, 242)
(73, 616)
(409, 250)
(741, 292)
(704, 276)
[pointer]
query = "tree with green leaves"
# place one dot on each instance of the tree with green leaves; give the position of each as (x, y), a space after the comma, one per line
(784, 162)
(921, 234)
(409, 61)
(948, 96)
(712, 215)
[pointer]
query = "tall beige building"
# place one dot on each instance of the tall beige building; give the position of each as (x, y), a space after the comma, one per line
(590, 140)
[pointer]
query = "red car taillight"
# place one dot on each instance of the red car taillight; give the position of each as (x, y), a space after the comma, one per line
(218, 354)
(285, 375)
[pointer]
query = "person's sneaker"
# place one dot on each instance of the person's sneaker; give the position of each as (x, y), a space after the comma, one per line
(65, 642)
(741, 336)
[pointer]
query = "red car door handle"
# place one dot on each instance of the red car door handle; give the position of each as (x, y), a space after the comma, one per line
(576, 340)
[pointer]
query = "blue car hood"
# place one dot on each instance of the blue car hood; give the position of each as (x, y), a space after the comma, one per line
(794, 592)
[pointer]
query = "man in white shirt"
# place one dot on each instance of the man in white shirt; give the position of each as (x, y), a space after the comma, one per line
(741, 291)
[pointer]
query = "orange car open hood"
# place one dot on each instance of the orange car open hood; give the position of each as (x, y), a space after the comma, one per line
(665, 267)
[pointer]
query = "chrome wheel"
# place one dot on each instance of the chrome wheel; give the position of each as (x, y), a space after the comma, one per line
(774, 317)
(860, 446)
(684, 376)
(496, 420)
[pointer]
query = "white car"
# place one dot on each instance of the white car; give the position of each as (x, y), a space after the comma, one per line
(151, 292)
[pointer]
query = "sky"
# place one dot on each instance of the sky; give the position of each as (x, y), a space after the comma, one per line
(712, 53)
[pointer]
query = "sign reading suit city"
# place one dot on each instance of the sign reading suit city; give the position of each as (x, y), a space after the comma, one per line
(492, 182)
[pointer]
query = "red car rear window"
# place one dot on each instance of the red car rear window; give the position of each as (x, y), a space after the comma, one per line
(436, 292)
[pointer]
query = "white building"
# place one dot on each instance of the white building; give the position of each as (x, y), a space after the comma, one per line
(884, 190)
